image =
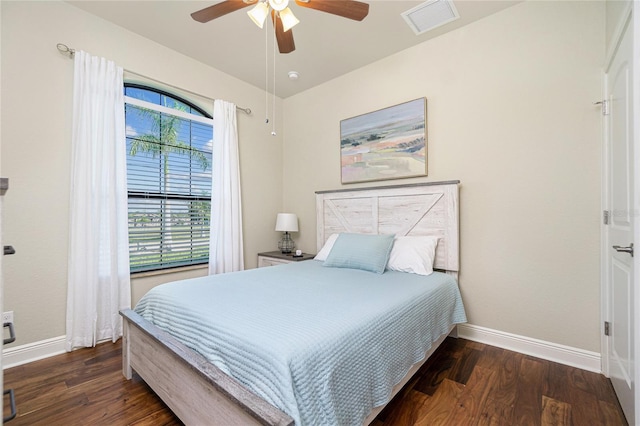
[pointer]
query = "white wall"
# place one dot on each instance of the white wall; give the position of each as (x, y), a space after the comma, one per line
(36, 131)
(510, 114)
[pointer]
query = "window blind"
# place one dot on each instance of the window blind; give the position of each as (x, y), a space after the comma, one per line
(169, 187)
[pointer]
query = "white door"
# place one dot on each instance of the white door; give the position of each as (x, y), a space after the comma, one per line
(620, 287)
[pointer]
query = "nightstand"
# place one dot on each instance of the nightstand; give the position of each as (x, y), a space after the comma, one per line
(272, 258)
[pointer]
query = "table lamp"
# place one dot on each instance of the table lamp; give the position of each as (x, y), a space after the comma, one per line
(286, 222)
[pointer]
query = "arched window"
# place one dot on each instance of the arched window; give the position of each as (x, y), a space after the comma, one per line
(169, 144)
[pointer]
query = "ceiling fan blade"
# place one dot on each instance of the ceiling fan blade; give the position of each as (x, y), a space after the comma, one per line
(350, 9)
(285, 38)
(220, 9)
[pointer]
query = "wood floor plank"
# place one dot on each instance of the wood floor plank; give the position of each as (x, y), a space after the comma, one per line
(495, 413)
(508, 369)
(462, 369)
(90, 372)
(492, 358)
(453, 347)
(611, 413)
(474, 397)
(528, 399)
(496, 387)
(112, 388)
(436, 371)
(439, 409)
(561, 385)
(114, 353)
(162, 419)
(407, 409)
(64, 408)
(555, 413)
(475, 345)
(603, 389)
(109, 411)
(56, 393)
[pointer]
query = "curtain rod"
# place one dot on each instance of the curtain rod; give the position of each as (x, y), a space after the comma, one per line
(63, 48)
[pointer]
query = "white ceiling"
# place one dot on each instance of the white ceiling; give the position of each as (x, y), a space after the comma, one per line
(327, 46)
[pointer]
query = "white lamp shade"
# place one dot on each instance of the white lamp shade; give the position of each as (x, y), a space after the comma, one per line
(289, 20)
(279, 4)
(287, 222)
(259, 13)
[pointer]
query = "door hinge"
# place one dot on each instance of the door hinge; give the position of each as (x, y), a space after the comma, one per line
(605, 106)
(607, 328)
(605, 216)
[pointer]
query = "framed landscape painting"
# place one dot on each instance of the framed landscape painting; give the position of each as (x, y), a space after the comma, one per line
(390, 143)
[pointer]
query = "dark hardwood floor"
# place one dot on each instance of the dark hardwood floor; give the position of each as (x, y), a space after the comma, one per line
(464, 383)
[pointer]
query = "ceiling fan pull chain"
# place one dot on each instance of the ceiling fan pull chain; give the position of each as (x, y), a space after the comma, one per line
(266, 74)
(273, 107)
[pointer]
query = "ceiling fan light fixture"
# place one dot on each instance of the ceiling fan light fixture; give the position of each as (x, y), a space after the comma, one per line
(351, 9)
(259, 13)
(279, 4)
(289, 20)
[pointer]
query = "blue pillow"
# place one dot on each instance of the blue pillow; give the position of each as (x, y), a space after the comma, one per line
(361, 251)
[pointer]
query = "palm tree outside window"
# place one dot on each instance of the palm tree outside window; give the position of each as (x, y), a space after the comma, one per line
(169, 146)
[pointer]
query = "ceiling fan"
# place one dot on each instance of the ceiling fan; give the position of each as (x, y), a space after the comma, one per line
(283, 18)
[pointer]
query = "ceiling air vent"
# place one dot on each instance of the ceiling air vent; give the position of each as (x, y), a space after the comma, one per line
(430, 14)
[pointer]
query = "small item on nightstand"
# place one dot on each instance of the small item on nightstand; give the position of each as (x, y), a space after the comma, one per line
(298, 253)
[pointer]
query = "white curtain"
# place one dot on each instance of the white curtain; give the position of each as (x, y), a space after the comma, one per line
(226, 252)
(98, 283)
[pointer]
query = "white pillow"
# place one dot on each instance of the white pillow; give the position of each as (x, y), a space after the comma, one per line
(413, 254)
(326, 248)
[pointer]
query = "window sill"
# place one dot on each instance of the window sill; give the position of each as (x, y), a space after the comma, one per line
(168, 271)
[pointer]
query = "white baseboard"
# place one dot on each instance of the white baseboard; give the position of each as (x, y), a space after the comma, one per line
(23, 354)
(579, 358)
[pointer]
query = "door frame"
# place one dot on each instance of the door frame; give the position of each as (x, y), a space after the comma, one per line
(636, 205)
(632, 19)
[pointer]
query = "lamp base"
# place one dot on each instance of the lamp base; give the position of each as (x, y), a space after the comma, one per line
(286, 244)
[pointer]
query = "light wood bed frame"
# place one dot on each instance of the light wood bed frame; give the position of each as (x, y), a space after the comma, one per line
(199, 393)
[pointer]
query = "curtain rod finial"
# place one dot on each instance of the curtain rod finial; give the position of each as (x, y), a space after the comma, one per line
(65, 49)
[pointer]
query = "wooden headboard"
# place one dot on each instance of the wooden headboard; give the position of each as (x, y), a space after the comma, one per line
(413, 209)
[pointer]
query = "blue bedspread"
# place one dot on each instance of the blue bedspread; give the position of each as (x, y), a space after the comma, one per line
(325, 345)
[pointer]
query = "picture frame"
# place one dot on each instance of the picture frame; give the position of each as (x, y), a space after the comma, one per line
(390, 143)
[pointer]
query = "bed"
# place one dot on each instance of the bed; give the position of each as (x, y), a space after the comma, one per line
(297, 364)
